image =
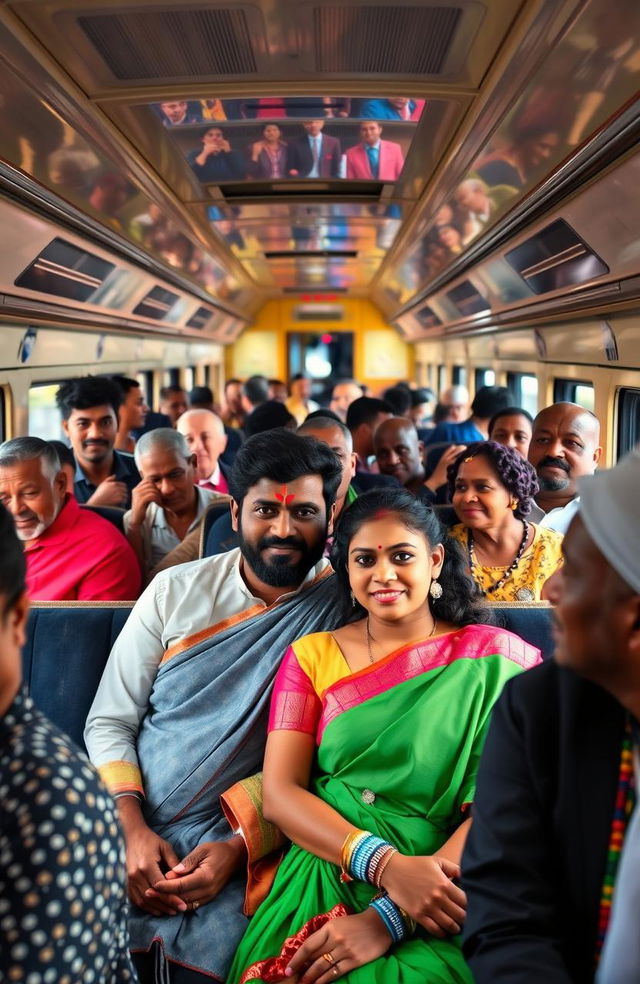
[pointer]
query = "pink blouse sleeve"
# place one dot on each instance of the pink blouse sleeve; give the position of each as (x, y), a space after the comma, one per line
(295, 706)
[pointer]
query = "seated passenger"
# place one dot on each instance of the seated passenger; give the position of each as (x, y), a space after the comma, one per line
(555, 789)
(201, 398)
(564, 446)
(216, 161)
(269, 416)
(167, 504)
(132, 414)
(184, 701)
(399, 399)
(63, 903)
(423, 402)
(173, 402)
(338, 436)
(278, 390)
(374, 159)
(399, 454)
(366, 770)
(72, 554)
(89, 408)
(364, 416)
(487, 402)
(300, 403)
(491, 488)
(204, 433)
(513, 428)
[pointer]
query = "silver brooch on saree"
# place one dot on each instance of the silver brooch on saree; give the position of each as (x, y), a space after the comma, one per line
(368, 796)
(525, 594)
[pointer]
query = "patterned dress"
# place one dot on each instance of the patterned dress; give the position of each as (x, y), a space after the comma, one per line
(63, 906)
(538, 562)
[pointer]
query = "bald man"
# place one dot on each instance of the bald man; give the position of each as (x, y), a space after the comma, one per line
(564, 446)
(204, 433)
(399, 452)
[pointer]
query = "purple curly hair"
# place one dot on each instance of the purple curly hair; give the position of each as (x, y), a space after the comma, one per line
(514, 471)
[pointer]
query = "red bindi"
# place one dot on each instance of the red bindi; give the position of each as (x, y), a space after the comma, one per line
(379, 546)
(284, 496)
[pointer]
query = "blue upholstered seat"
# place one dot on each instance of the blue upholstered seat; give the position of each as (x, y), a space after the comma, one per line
(68, 645)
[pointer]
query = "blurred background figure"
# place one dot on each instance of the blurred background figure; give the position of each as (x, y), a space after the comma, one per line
(173, 402)
(345, 391)
(132, 414)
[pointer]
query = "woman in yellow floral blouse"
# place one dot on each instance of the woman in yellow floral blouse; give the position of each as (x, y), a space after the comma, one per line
(491, 489)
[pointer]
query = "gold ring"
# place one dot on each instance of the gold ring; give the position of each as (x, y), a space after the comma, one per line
(328, 958)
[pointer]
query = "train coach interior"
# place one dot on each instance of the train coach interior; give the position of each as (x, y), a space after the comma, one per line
(470, 213)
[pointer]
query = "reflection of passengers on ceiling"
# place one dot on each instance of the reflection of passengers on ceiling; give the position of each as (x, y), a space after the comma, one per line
(216, 161)
(269, 155)
(179, 112)
(373, 158)
(314, 155)
(396, 108)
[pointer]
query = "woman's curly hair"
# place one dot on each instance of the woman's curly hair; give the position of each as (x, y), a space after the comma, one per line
(461, 602)
(513, 471)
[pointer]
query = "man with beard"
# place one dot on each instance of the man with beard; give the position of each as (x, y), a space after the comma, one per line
(90, 407)
(564, 446)
(181, 712)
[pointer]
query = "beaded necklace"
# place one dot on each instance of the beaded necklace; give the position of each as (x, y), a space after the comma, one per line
(625, 801)
(510, 569)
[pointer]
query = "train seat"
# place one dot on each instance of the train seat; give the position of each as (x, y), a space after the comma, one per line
(68, 644)
(111, 513)
(219, 537)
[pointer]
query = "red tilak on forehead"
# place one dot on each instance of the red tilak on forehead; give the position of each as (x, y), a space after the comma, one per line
(283, 497)
(380, 514)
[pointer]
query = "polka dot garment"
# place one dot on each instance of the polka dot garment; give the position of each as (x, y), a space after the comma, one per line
(63, 907)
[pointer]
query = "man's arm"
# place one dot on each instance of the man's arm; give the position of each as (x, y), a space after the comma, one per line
(513, 906)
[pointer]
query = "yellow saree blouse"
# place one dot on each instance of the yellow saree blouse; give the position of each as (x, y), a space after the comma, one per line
(538, 562)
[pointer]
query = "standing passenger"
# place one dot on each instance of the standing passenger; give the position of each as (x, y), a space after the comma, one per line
(184, 702)
(63, 905)
(89, 408)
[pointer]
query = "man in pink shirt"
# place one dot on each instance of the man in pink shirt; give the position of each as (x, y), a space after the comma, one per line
(374, 159)
(72, 554)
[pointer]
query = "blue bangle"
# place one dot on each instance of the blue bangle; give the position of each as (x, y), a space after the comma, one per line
(361, 858)
(391, 917)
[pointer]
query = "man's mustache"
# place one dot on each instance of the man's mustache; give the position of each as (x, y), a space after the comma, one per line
(276, 541)
(553, 463)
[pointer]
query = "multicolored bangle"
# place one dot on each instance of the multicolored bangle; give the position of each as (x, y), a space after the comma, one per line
(395, 919)
(364, 856)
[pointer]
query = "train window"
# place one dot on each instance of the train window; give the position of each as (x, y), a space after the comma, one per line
(484, 377)
(574, 391)
(459, 376)
(171, 377)
(189, 377)
(145, 380)
(45, 420)
(628, 419)
(524, 389)
(321, 355)
(442, 379)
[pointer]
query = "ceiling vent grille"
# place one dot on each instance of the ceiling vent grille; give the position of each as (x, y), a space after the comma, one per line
(172, 44)
(467, 299)
(200, 318)
(384, 40)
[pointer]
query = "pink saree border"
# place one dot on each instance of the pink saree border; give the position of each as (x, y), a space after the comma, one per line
(470, 642)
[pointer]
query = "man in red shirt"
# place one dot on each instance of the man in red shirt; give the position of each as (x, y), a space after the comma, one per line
(72, 554)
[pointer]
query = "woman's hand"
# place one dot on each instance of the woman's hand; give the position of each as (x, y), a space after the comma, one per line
(350, 941)
(422, 887)
(200, 876)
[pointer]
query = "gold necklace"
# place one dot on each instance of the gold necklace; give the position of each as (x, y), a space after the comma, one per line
(370, 638)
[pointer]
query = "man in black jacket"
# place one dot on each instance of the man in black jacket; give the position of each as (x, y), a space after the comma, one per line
(535, 867)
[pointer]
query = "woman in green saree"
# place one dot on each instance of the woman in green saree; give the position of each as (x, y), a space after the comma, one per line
(374, 739)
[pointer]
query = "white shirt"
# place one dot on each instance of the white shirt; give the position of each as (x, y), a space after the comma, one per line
(158, 538)
(179, 602)
(300, 409)
(560, 518)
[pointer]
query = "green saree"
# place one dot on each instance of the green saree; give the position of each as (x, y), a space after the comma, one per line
(407, 733)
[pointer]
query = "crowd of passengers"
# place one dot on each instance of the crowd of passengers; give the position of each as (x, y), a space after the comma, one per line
(328, 760)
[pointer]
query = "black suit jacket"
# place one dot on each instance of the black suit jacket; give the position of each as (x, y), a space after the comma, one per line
(536, 854)
(300, 159)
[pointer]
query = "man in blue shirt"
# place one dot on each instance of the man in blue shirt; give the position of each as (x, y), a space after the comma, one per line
(397, 108)
(89, 407)
(488, 401)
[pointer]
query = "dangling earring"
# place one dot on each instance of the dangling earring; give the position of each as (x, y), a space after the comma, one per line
(435, 589)
(514, 504)
(353, 599)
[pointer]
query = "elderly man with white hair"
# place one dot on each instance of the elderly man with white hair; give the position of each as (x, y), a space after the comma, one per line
(204, 433)
(555, 790)
(167, 504)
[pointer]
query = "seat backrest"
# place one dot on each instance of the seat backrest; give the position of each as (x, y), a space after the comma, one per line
(212, 513)
(531, 620)
(110, 513)
(221, 537)
(67, 647)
